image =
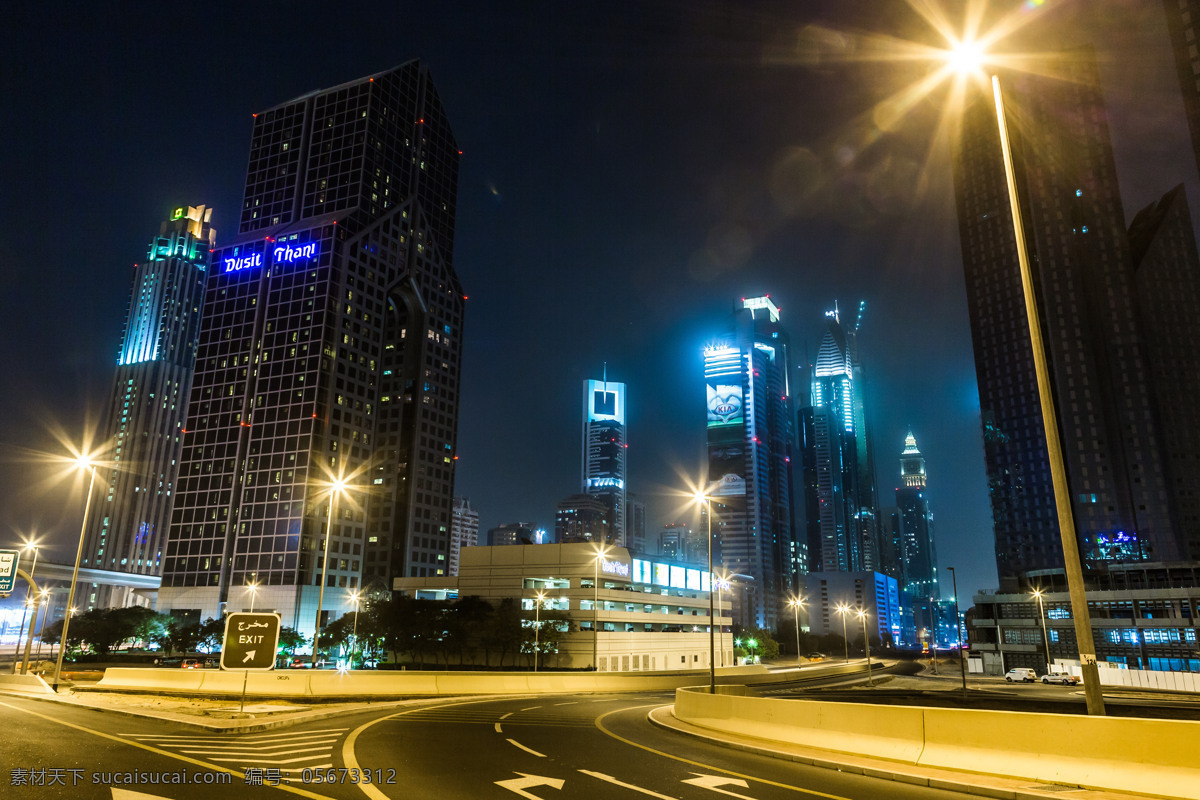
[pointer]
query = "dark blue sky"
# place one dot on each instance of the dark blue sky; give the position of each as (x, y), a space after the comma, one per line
(629, 170)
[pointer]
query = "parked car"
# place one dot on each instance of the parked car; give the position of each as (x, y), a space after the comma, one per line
(1023, 674)
(191, 663)
(816, 656)
(1065, 678)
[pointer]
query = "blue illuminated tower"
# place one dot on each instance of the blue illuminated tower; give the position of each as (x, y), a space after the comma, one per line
(149, 398)
(750, 439)
(604, 449)
(330, 349)
(918, 553)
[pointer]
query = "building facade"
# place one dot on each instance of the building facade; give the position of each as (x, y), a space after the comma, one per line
(635, 614)
(583, 518)
(604, 451)
(835, 598)
(1083, 272)
(918, 551)
(330, 350)
(751, 433)
(464, 530)
(127, 530)
(1183, 17)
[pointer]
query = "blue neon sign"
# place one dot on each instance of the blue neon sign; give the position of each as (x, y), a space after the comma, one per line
(304, 252)
(237, 264)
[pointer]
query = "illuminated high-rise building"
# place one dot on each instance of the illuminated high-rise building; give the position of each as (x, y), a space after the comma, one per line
(1087, 292)
(842, 524)
(330, 350)
(128, 525)
(464, 530)
(751, 434)
(918, 552)
(604, 451)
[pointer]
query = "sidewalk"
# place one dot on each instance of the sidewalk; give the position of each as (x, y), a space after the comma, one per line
(951, 780)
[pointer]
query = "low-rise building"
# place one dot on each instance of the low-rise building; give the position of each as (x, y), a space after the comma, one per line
(629, 613)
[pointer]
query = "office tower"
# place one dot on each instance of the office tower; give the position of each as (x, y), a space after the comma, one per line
(1080, 255)
(750, 439)
(679, 542)
(330, 349)
(464, 530)
(917, 549)
(635, 523)
(1167, 278)
(604, 449)
(127, 528)
(583, 518)
(515, 533)
(842, 524)
(1183, 16)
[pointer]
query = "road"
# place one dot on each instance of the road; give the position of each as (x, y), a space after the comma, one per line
(548, 747)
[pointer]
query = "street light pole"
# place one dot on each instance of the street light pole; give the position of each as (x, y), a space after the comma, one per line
(958, 631)
(862, 615)
(30, 593)
(1045, 637)
(795, 603)
(842, 609)
(87, 507)
(252, 587)
(354, 597)
(537, 628)
(1058, 471)
(712, 646)
(601, 551)
(337, 487)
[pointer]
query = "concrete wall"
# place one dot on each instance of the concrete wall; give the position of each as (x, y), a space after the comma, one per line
(1139, 678)
(1133, 755)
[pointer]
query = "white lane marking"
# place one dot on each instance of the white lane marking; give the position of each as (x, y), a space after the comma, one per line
(248, 738)
(254, 754)
(260, 761)
(498, 730)
(572, 703)
(506, 716)
(531, 708)
(515, 743)
(622, 784)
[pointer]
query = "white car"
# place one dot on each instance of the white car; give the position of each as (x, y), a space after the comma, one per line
(1023, 674)
(1065, 678)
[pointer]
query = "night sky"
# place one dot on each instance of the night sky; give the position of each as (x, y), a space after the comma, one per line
(629, 171)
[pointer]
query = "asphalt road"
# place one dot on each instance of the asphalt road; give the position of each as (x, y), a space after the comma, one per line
(585, 746)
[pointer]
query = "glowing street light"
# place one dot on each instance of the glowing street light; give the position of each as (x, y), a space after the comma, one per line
(30, 600)
(83, 461)
(862, 616)
(537, 627)
(44, 598)
(1045, 637)
(336, 488)
(252, 588)
(601, 552)
(796, 603)
(844, 609)
(725, 585)
(712, 646)
(356, 598)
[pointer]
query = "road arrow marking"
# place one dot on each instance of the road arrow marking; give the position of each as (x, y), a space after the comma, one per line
(713, 781)
(527, 781)
(624, 785)
(249, 655)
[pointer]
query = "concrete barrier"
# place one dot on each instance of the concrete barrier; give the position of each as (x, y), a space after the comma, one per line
(1147, 756)
(24, 684)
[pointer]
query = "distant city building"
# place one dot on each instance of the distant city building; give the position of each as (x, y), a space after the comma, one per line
(131, 513)
(604, 450)
(583, 518)
(874, 593)
(1183, 17)
(679, 542)
(464, 530)
(842, 526)
(1095, 337)
(511, 533)
(635, 523)
(751, 433)
(330, 348)
(918, 551)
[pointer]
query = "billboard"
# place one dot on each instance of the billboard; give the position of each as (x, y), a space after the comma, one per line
(724, 405)
(727, 468)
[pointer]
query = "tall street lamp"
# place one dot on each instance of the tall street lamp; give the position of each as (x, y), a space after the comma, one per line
(862, 615)
(844, 609)
(969, 57)
(795, 603)
(537, 627)
(724, 585)
(712, 645)
(29, 600)
(336, 488)
(83, 461)
(252, 588)
(355, 597)
(601, 552)
(1045, 637)
(958, 631)
(45, 598)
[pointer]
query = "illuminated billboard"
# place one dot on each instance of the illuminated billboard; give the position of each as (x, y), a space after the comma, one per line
(724, 405)
(605, 400)
(727, 469)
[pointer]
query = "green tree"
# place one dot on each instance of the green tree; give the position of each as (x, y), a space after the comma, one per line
(290, 639)
(211, 635)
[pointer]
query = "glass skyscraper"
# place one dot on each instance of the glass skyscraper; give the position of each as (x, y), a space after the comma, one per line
(330, 349)
(751, 433)
(127, 530)
(604, 451)
(918, 552)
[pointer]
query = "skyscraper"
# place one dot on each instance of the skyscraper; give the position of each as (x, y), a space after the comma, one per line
(1183, 19)
(918, 552)
(464, 530)
(1082, 271)
(604, 449)
(330, 349)
(750, 438)
(839, 478)
(127, 530)
(583, 518)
